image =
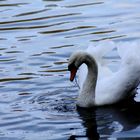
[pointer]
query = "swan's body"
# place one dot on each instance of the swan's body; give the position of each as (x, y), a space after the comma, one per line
(98, 85)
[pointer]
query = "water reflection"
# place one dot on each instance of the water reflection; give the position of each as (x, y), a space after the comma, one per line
(89, 122)
(120, 120)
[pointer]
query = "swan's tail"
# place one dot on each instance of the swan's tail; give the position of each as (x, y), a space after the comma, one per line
(99, 50)
(129, 52)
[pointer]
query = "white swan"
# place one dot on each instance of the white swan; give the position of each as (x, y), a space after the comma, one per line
(98, 85)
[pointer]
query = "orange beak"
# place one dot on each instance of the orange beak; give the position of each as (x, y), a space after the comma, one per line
(72, 73)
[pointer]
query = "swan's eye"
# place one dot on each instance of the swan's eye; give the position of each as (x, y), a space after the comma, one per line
(71, 66)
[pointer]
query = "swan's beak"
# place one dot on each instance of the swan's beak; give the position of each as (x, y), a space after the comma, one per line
(72, 73)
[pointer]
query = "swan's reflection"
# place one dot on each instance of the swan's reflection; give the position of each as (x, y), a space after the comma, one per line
(107, 119)
(89, 122)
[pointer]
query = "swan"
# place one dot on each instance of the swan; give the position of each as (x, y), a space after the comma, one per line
(98, 84)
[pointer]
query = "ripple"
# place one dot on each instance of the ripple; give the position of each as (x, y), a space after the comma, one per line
(14, 4)
(65, 30)
(14, 52)
(84, 4)
(15, 79)
(31, 13)
(39, 18)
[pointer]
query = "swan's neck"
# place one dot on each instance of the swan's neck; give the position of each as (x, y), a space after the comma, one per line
(87, 95)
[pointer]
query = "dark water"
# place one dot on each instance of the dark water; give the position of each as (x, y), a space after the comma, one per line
(37, 101)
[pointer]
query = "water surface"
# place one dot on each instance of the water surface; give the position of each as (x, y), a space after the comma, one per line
(37, 101)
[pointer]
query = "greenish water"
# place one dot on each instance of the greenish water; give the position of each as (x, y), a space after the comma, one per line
(37, 100)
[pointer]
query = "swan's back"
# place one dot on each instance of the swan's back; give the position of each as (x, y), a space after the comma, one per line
(117, 87)
(129, 52)
(122, 83)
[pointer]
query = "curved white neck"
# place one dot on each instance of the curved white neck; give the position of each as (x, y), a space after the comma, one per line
(87, 95)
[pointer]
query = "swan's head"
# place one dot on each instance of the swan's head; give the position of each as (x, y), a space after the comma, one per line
(75, 60)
